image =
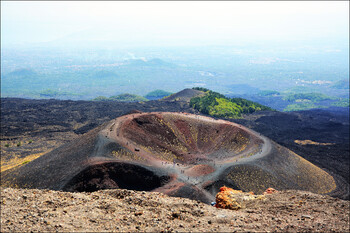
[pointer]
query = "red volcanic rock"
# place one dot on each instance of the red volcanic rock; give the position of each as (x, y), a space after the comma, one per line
(270, 191)
(187, 139)
(200, 170)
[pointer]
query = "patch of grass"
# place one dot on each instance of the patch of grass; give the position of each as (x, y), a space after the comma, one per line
(7, 145)
(6, 165)
(19, 144)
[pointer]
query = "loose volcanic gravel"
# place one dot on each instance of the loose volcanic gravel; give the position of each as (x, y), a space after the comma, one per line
(24, 210)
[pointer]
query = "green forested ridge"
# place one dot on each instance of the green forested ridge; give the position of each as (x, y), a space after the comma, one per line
(157, 94)
(216, 104)
(126, 97)
(315, 97)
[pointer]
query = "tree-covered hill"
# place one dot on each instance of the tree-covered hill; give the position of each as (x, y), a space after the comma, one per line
(216, 104)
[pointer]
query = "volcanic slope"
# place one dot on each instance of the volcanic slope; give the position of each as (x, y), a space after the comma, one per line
(179, 154)
(185, 95)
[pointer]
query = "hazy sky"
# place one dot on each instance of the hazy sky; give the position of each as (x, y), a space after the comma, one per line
(170, 22)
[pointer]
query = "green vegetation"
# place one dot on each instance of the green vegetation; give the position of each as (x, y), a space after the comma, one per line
(216, 104)
(30, 141)
(25, 162)
(268, 93)
(305, 101)
(342, 103)
(225, 108)
(101, 98)
(201, 89)
(7, 145)
(313, 97)
(19, 144)
(301, 106)
(50, 93)
(126, 97)
(157, 94)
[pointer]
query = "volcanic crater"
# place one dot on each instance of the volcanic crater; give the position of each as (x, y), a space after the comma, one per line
(179, 154)
(186, 139)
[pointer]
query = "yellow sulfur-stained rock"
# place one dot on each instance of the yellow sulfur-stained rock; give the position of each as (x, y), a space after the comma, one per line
(229, 198)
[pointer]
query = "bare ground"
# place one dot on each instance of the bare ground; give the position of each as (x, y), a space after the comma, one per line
(25, 210)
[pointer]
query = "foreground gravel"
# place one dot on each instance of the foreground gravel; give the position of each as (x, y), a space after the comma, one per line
(24, 210)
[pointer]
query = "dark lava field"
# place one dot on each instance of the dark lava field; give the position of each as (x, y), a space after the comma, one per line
(319, 136)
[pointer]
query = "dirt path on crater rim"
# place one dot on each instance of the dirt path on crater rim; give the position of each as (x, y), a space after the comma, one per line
(114, 132)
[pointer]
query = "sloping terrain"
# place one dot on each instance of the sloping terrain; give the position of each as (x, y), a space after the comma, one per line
(120, 210)
(328, 129)
(31, 117)
(185, 95)
(179, 154)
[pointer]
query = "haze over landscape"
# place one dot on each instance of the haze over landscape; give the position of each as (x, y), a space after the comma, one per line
(150, 111)
(82, 50)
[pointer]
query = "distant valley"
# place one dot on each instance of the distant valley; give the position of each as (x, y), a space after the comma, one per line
(268, 77)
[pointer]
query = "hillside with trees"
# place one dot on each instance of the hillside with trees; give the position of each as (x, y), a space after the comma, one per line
(218, 105)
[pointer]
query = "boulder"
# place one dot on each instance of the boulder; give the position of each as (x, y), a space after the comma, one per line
(229, 198)
(270, 191)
